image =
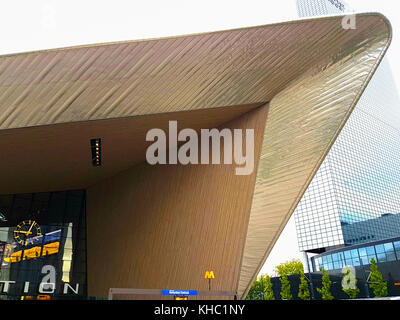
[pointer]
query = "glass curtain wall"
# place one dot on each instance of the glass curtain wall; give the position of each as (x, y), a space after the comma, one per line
(43, 245)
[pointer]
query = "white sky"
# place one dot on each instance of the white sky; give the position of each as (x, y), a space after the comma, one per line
(44, 24)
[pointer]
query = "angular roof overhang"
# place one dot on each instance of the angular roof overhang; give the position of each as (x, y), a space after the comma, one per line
(312, 72)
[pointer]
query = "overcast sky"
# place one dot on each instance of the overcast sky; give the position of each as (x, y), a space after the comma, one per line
(44, 24)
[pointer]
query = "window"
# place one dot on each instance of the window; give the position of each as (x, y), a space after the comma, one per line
(354, 253)
(348, 258)
(390, 252)
(380, 248)
(363, 256)
(371, 253)
(363, 252)
(62, 244)
(397, 249)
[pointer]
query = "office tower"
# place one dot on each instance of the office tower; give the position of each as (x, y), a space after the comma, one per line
(354, 197)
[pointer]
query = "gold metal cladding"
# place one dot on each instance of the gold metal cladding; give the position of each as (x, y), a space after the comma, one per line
(209, 70)
(303, 121)
(311, 71)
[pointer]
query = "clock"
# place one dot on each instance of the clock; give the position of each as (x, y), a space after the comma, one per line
(26, 232)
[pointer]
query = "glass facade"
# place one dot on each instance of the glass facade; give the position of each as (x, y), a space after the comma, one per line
(381, 252)
(43, 245)
(354, 197)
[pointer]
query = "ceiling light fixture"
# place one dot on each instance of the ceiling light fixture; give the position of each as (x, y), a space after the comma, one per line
(95, 145)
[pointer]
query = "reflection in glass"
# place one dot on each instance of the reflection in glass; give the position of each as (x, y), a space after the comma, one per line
(61, 217)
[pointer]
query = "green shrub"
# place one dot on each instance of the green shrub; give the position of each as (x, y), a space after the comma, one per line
(261, 289)
(285, 288)
(377, 284)
(325, 291)
(304, 292)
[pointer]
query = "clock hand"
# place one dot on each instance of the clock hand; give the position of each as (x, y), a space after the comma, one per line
(29, 231)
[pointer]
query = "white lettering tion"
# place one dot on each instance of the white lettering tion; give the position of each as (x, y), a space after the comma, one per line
(6, 285)
(188, 152)
(67, 285)
(44, 287)
(47, 287)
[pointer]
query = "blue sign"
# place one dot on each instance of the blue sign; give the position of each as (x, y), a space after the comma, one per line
(52, 236)
(179, 292)
(34, 240)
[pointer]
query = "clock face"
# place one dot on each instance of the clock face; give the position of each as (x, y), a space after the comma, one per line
(26, 231)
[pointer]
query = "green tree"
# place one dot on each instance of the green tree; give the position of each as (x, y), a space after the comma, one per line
(304, 292)
(261, 289)
(325, 291)
(267, 285)
(255, 292)
(288, 268)
(285, 288)
(349, 284)
(376, 281)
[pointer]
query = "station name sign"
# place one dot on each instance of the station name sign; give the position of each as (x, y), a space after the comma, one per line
(179, 292)
(43, 287)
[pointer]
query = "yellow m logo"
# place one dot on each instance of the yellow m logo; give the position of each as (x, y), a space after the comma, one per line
(209, 275)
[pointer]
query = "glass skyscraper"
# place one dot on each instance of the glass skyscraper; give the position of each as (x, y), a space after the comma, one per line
(354, 197)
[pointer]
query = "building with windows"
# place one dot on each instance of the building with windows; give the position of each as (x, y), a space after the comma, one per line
(82, 211)
(386, 253)
(383, 227)
(354, 197)
(359, 255)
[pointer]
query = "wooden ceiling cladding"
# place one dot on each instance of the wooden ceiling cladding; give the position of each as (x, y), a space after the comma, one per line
(311, 71)
(61, 156)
